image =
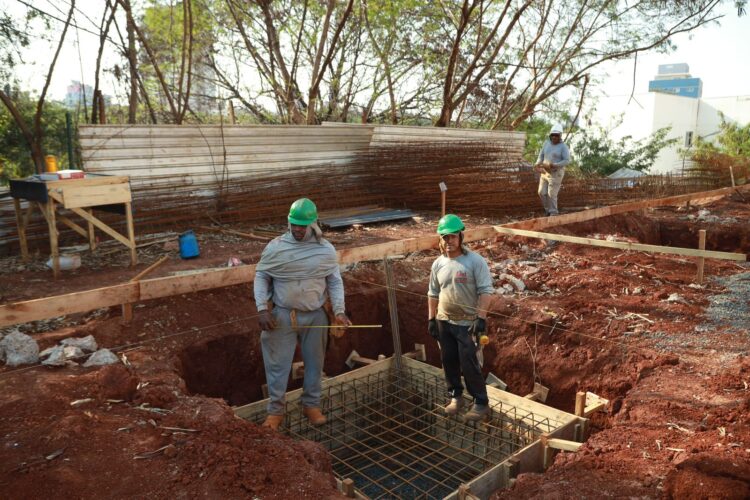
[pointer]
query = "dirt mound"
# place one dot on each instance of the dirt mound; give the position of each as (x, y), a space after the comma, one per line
(705, 476)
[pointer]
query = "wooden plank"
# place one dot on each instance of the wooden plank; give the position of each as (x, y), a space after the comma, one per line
(563, 444)
(292, 396)
(91, 196)
(91, 181)
(51, 307)
(177, 285)
(101, 225)
(596, 213)
(623, 245)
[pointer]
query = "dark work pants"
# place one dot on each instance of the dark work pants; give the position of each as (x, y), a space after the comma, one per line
(459, 355)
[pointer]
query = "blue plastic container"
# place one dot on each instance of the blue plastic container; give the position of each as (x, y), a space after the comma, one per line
(189, 245)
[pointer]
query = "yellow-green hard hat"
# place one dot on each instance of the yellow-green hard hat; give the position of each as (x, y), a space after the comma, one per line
(303, 212)
(449, 224)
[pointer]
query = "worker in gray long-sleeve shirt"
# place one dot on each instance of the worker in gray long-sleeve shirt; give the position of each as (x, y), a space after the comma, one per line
(458, 298)
(297, 272)
(551, 163)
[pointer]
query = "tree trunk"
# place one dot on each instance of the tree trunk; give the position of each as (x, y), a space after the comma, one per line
(132, 63)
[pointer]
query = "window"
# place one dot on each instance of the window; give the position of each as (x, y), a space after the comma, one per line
(688, 139)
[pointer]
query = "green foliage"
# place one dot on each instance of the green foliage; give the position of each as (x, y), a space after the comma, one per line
(595, 152)
(733, 140)
(15, 155)
(537, 130)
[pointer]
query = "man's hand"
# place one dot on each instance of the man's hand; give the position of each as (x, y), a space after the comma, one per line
(478, 327)
(267, 321)
(433, 329)
(340, 320)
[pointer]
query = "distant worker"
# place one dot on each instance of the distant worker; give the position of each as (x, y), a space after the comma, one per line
(551, 163)
(297, 272)
(458, 297)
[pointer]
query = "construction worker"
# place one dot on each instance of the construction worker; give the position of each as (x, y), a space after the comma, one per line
(458, 297)
(551, 165)
(297, 272)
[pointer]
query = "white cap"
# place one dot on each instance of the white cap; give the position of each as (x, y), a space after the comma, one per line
(556, 129)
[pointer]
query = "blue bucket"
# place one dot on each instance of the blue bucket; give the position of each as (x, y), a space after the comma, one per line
(189, 245)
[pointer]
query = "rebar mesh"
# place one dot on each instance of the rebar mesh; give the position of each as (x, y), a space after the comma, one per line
(387, 432)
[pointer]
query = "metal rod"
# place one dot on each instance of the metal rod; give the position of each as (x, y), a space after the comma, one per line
(393, 309)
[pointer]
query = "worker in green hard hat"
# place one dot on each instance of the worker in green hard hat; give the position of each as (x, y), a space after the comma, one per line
(458, 297)
(298, 271)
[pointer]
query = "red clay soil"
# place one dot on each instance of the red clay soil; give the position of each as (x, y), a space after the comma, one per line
(625, 325)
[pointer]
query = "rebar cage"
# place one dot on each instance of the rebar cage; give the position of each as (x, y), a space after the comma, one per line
(388, 433)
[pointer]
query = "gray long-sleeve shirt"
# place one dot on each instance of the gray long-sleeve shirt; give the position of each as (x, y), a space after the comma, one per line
(556, 154)
(457, 284)
(302, 295)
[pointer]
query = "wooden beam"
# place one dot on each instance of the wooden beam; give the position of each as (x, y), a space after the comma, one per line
(563, 444)
(51, 307)
(623, 245)
(101, 225)
(72, 225)
(585, 215)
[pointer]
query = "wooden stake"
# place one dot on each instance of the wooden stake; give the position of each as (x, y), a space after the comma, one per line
(443, 193)
(127, 309)
(731, 173)
(53, 238)
(580, 403)
(347, 485)
(92, 234)
(232, 117)
(131, 234)
(701, 260)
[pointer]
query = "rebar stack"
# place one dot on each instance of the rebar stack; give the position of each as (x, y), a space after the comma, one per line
(387, 432)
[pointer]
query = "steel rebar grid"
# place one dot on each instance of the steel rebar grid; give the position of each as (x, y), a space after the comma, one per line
(386, 431)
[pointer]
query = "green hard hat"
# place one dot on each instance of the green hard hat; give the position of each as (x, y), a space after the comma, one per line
(449, 224)
(303, 212)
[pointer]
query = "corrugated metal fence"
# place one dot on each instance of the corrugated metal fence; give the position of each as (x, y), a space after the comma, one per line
(180, 173)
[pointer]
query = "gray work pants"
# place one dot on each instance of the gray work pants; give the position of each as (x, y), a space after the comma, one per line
(278, 348)
(549, 187)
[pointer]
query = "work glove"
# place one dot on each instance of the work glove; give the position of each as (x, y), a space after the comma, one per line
(267, 321)
(478, 327)
(432, 327)
(341, 320)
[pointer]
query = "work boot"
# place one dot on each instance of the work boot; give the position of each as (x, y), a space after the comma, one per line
(478, 412)
(314, 415)
(454, 406)
(273, 421)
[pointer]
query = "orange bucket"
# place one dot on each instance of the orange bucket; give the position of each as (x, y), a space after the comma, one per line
(50, 163)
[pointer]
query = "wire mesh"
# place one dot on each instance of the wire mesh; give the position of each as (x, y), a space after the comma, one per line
(387, 432)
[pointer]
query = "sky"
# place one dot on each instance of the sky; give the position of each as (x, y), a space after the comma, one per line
(717, 54)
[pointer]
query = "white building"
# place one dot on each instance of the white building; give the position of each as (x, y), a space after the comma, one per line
(674, 100)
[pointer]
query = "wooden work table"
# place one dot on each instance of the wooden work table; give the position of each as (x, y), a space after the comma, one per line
(79, 196)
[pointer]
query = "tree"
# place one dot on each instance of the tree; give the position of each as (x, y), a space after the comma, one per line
(15, 160)
(595, 152)
(33, 134)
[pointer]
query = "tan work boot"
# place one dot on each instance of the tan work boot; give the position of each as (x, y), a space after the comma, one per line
(314, 415)
(478, 412)
(273, 422)
(454, 406)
